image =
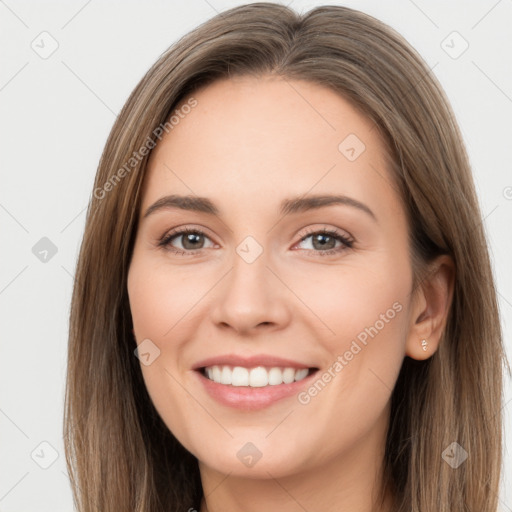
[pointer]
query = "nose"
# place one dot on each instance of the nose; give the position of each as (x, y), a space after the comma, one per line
(251, 298)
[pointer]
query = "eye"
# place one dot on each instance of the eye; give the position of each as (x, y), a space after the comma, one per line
(190, 240)
(325, 241)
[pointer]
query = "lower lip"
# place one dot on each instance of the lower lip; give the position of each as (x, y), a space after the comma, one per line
(249, 398)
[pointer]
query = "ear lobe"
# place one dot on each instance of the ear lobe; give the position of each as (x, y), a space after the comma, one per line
(432, 306)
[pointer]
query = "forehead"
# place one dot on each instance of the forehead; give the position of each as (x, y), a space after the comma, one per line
(260, 139)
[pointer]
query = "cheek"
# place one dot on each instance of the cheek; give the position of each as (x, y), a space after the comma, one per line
(367, 316)
(159, 301)
(160, 298)
(354, 301)
(365, 319)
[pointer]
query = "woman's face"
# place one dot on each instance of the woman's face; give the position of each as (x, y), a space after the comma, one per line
(300, 300)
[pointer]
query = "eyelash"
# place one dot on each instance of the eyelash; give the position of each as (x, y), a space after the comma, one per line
(165, 241)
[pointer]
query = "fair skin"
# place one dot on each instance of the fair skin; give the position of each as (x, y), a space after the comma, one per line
(248, 145)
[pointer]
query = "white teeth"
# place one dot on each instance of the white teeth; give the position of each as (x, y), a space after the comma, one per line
(217, 374)
(301, 374)
(288, 375)
(225, 377)
(275, 376)
(258, 377)
(254, 377)
(239, 377)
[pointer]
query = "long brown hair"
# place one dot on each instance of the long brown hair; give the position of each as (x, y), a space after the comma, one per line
(120, 454)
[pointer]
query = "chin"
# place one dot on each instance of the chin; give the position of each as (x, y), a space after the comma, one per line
(252, 460)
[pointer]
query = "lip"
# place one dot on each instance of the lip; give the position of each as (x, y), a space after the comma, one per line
(266, 360)
(252, 398)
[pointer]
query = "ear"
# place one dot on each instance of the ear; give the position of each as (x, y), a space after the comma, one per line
(431, 305)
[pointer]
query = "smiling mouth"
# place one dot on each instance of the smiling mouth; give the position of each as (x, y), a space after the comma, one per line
(256, 377)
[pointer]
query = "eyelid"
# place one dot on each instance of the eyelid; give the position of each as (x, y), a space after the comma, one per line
(326, 229)
(182, 230)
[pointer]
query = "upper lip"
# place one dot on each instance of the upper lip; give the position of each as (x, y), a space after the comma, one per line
(250, 361)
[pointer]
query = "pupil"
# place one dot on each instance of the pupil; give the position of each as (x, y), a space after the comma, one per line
(322, 244)
(191, 237)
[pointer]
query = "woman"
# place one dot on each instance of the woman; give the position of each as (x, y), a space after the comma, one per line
(283, 298)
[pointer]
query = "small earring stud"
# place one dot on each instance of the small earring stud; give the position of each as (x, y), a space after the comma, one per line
(424, 345)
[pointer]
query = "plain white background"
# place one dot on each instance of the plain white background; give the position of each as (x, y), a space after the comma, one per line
(56, 111)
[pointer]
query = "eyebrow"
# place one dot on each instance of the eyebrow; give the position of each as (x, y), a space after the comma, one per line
(288, 206)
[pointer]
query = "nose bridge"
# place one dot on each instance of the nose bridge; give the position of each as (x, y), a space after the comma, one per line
(249, 268)
(251, 294)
